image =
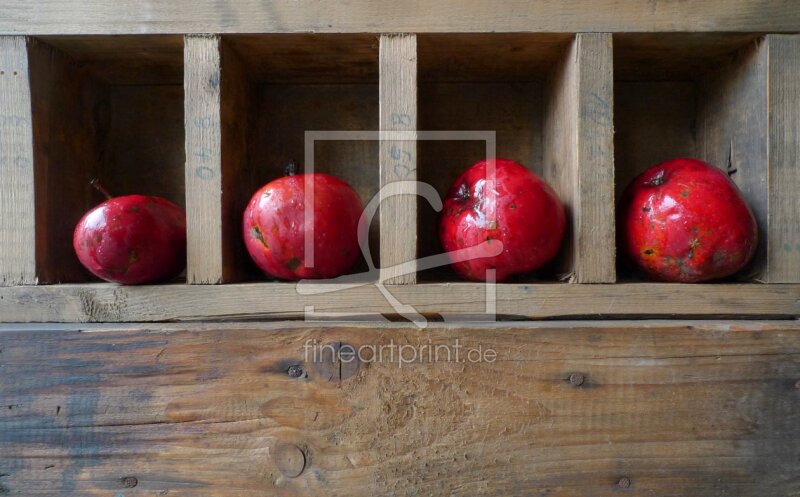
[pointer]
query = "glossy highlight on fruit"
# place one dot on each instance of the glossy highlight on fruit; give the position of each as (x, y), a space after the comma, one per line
(686, 221)
(275, 230)
(526, 216)
(132, 240)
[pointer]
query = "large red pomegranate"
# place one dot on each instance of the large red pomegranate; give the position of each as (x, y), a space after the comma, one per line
(523, 213)
(275, 230)
(686, 221)
(132, 240)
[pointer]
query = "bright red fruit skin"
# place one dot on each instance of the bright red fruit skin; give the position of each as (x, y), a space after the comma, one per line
(527, 217)
(274, 227)
(132, 240)
(686, 221)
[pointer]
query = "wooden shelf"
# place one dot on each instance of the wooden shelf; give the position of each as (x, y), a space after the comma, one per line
(554, 101)
(104, 302)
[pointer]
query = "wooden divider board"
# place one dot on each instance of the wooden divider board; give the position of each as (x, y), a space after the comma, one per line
(556, 409)
(783, 234)
(17, 207)
(579, 155)
(398, 158)
(204, 219)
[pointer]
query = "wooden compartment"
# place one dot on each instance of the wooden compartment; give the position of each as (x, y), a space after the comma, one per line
(543, 98)
(273, 90)
(102, 107)
(711, 97)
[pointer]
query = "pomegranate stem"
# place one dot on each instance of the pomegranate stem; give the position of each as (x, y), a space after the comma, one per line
(99, 187)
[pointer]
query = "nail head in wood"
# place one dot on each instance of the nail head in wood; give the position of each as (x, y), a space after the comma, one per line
(290, 459)
(295, 371)
(129, 481)
(797, 384)
(624, 482)
(576, 379)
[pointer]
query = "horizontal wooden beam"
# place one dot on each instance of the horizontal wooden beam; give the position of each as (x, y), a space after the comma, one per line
(111, 303)
(256, 16)
(685, 408)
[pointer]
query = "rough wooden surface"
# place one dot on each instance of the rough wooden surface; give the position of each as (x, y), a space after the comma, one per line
(112, 303)
(17, 228)
(310, 58)
(488, 57)
(784, 159)
(398, 158)
(578, 156)
(565, 409)
(358, 16)
(203, 160)
(129, 59)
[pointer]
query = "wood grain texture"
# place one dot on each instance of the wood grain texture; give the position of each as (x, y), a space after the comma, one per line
(489, 57)
(398, 158)
(404, 16)
(578, 156)
(17, 203)
(111, 303)
(300, 58)
(130, 59)
(682, 408)
(784, 159)
(204, 221)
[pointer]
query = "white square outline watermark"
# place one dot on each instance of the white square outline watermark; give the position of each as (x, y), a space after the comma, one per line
(400, 187)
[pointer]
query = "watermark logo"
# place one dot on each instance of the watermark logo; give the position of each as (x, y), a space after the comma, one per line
(403, 354)
(375, 276)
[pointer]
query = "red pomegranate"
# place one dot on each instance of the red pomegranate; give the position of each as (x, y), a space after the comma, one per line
(686, 221)
(275, 230)
(132, 240)
(514, 207)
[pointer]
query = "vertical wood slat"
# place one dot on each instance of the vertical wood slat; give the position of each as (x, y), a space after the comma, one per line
(783, 253)
(578, 155)
(17, 213)
(398, 159)
(203, 159)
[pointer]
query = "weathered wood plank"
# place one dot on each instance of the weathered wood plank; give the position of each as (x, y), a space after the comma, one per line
(784, 159)
(17, 203)
(247, 16)
(112, 303)
(398, 158)
(578, 158)
(687, 408)
(204, 228)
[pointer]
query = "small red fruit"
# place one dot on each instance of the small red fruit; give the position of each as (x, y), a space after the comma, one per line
(132, 240)
(274, 227)
(526, 216)
(686, 221)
